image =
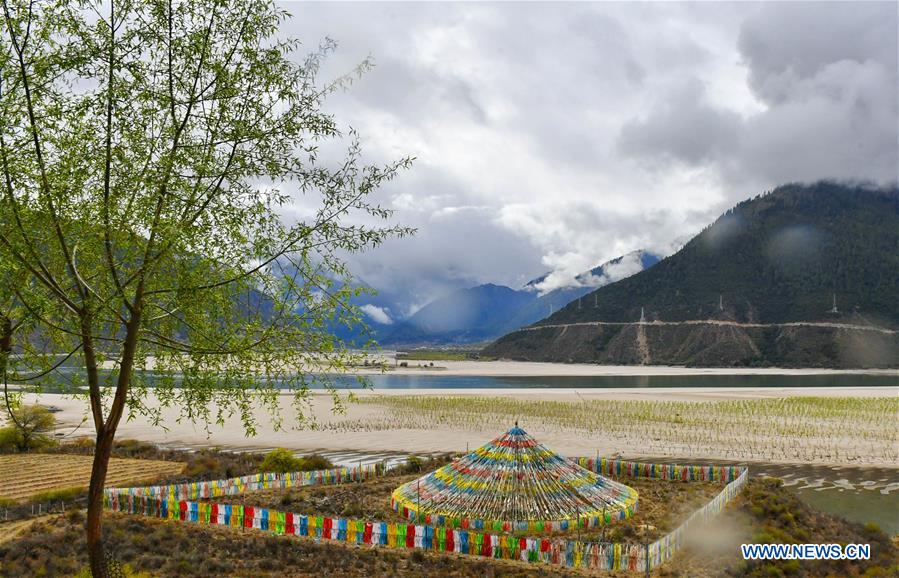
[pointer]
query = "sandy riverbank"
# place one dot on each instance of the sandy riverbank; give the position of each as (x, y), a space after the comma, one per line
(377, 427)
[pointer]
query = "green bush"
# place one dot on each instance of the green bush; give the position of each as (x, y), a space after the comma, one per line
(6, 502)
(10, 439)
(414, 463)
(58, 494)
(873, 528)
(281, 460)
(315, 462)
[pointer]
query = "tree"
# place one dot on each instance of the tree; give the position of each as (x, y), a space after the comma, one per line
(31, 426)
(149, 152)
(16, 323)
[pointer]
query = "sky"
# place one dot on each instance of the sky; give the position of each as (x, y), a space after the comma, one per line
(557, 136)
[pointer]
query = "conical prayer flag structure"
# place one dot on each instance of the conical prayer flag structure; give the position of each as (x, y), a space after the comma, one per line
(514, 483)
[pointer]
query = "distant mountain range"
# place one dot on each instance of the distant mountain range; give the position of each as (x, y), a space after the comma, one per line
(487, 311)
(825, 254)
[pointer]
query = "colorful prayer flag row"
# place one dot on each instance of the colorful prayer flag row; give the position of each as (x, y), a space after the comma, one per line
(255, 482)
(163, 502)
(664, 548)
(559, 551)
(686, 473)
(244, 484)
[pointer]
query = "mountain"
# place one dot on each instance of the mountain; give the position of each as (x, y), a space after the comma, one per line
(378, 309)
(609, 271)
(463, 316)
(487, 311)
(778, 258)
(588, 281)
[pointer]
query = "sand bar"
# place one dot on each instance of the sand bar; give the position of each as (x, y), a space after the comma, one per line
(352, 431)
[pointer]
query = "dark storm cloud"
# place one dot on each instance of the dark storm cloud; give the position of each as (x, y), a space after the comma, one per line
(830, 83)
(557, 136)
(684, 127)
(785, 43)
(826, 76)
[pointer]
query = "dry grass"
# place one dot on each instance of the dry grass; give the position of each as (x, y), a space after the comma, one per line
(165, 548)
(24, 475)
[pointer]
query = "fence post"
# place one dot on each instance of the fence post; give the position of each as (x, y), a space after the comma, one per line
(646, 558)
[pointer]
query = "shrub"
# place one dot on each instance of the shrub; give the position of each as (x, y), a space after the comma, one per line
(127, 570)
(873, 528)
(10, 439)
(413, 464)
(281, 460)
(202, 465)
(315, 462)
(86, 443)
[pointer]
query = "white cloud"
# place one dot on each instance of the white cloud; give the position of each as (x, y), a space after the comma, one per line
(628, 265)
(377, 314)
(563, 278)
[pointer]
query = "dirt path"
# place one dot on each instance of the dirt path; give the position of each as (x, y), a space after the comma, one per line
(9, 531)
(643, 344)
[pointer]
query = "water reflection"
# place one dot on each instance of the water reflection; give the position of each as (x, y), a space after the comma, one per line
(66, 376)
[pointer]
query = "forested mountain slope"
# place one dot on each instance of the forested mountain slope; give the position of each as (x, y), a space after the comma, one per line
(775, 259)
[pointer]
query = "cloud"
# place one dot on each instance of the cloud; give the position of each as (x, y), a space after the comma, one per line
(779, 54)
(574, 233)
(628, 265)
(684, 127)
(828, 91)
(377, 314)
(616, 270)
(554, 137)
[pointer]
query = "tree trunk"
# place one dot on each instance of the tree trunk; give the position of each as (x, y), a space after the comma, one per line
(5, 340)
(94, 525)
(106, 434)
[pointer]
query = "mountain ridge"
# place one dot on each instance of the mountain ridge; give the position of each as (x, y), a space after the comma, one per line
(781, 257)
(486, 311)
